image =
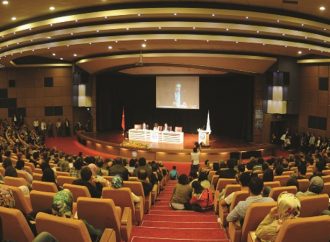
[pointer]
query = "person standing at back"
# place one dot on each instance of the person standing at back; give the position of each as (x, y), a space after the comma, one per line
(195, 159)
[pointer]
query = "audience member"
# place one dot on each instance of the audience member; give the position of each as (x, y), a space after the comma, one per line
(268, 175)
(230, 172)
(87, 180)
(143, 178)
(117, 182)
(202, 198)
(174, 173)
(118, 168)
(315, 187)
(181, 194)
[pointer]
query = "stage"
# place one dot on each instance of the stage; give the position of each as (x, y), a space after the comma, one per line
(221, 148)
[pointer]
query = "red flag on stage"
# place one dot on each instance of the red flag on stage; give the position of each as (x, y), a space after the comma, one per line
(123, 120)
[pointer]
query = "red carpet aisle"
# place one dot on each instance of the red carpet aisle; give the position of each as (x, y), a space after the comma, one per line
(166, 225)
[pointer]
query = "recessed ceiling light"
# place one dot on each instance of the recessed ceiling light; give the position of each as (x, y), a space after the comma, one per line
(74, 54)
(213, 14)
(227, 29)
(175, 40)
(54, 54)
(322, 8)
(286, 46)
(105, 17)
(51, 8)
(127, 28)
(61, 58)
(110, 47)
(174, 14)
(236, 42)
(139, 14)
(97, 31)
(143, 45)
(247, 17)
(283, 34)
(278, 20)
(71, 33)
(302, 25)
(5, 2)
(325, 29)
(194, 27)
(76, 20)
(159, 27)
(90, 43)
(13, 18)
(258, 31)
(299, 52)
(306, 37)
(48, 37)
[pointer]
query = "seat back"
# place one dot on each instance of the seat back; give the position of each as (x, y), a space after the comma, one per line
(210, 175)
(326, 188)
(77, 191)
(30, 165)
(326, 178)
(21, 202)
(23, 175)
(232, 188)
(2, 171)
(223, 182)
(214, 181)
(102, 216)
(41, 201)
(303, 184)
(65, 179)
(288, 172)
(14, 226)
(62, 173)
(38, 170)
(311, 229)
(282, 179)
(37, 176)
(326, 172)
(44, 186)
(313, 205)
(136, 187)
(15, 181)
(238, 196)
(272, 184)
(63, 229)
(254, 215)
(121, 197)
(276, 191)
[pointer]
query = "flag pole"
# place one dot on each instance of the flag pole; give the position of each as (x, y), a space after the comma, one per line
(123, 124)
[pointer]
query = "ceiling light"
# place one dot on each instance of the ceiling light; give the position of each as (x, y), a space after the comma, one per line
(286, 46)
(54, 54)
(213, 14)
(174, 14)
(299, 52)
(61, 58)
(71, 33)
(227, 29)
(175, 40)
(143, 45)
(236, 42)
(97, 31)
(322, 8)
(278, 20)
(90, 43)
(76, 20)
(13, 18)
(283, 34)
(48, 37)
(74, 54)
(5, 2)
(51, 8)
(105, 17)
(325, 29)
(110, 47)
(258, 32)
(247, 17)
(306, 37)
(302, 25)
(194, 27)
(159, 27)
(139, 14)
(127, 28)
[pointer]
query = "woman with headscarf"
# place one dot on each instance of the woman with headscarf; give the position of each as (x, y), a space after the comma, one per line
(6, 197)
(97, 178)
(62, 207)
(288, 207)
(117, 182)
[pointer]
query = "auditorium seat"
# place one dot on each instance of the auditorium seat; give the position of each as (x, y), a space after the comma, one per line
(23, 174)
(122, 197)
(106, 215)
(228, 190)
(65, 179)
(288, 173)
(137, 188)
(272, 184)
(21, 202)
(2, 171)
(311, 229)
(37, 170)
(154, 193)
(15, 226)
(303, 184)
(15, 181)
(326, 188)
(238, 196)
(313, 205)
(276, 191)
(62, 173)
(309, 174)
(214, 181)
(68, 229)
(37, 176)
(30, 165)
(44, 186)
(210, 175)
(326, 172)
(221, 184)
(282, 179)
(77, 191)
(326, 178)
(254, 215)
(41, 201)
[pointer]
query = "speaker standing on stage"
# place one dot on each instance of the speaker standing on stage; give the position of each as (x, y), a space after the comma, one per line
(195, 159)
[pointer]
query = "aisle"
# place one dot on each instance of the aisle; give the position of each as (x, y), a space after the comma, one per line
(166, 225)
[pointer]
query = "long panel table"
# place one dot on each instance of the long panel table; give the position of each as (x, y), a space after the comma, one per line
(156, 136)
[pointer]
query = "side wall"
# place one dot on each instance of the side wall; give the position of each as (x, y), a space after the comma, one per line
(31, 94)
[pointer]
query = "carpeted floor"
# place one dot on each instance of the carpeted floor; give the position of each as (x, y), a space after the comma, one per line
(164, 224)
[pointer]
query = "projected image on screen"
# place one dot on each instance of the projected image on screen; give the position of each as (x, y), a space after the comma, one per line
(177, 92)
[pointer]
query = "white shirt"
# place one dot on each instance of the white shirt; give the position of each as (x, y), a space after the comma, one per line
(195, 158)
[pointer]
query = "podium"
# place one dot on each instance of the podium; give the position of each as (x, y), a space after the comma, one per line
(204, 137)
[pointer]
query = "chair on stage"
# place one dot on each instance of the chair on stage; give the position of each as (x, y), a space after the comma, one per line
(178, 129)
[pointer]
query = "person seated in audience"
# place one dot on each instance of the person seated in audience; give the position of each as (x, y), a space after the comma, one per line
(279, 170)
(117, 182)
(62, 207)
(143, 165)
(293, 182)
(181, 194)
(268, 175)
(87, 180)
(143, 178)
(301, 171)
(201, 198)
(20, 166)
(118, 168)
(318, 167)
(315, 187)
(63, 164)
(7, 199)
(203, 179)
(258, 164)
(131, 165)
(7, 162)
(288, 207)
(230, 172)
(215, 166)
(256, 186)
(244, 180)
(48, 175)
(102, 167)
(174, 173)
(77, 165)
